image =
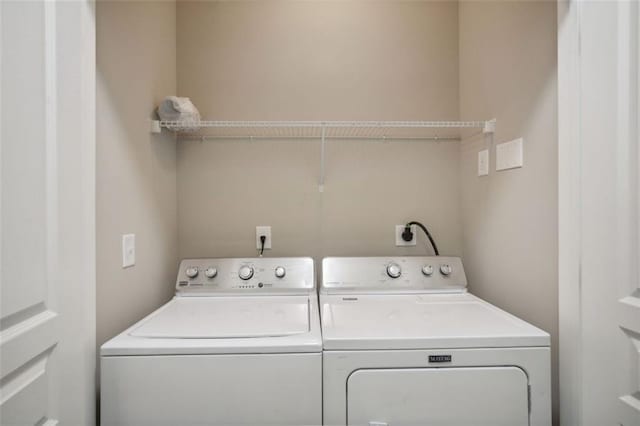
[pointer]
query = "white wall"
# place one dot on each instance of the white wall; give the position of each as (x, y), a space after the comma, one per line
(317, 61)
(508, 71)
(136, 171)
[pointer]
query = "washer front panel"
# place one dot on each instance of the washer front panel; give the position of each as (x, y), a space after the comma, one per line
(247, 389)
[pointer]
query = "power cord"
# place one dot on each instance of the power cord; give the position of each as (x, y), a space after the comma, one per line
(263, 238)
(407, 235)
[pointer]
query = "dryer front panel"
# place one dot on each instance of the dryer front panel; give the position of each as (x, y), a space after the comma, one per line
(480, 396)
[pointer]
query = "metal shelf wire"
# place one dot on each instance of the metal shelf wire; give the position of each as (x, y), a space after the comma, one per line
(323, 131)
(427, 130)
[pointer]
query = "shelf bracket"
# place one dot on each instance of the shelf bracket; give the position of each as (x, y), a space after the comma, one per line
(155, 126)
(322, 149)
(489, 126)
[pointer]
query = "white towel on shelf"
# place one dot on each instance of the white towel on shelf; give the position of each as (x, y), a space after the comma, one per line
(174, 108)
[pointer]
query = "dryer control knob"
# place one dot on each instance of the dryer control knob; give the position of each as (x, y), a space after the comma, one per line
(280, 272)
(211, 272)
(427, 270)
(393, 270)
(446, 269)
(191, 272)
(245, 272)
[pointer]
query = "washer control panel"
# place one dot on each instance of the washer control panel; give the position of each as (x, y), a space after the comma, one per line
(412, 274)
(242, 275)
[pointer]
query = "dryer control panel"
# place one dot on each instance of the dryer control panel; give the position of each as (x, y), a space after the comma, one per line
(411, 274)
(245, 275)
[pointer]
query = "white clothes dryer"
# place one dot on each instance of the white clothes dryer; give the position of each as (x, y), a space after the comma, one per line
(406, 344)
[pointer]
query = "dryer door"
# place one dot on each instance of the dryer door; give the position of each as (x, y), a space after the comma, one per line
(479, 396)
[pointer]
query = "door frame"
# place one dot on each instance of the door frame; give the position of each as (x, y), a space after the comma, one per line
(568, 209)
(76, 133)
(598, 51)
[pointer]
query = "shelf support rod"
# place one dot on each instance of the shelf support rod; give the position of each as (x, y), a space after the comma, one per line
(489, 131)
(322, 146)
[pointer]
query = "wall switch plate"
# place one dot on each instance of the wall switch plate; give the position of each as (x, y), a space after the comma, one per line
(509, 155)
(266, 231)
(399, 241)
(128, 250)
(483, 162)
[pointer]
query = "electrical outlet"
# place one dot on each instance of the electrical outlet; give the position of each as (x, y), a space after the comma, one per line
(266, 231)
(399, 241)
(128, 250)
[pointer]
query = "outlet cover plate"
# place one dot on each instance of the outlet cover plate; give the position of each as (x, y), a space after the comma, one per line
(402, 243)
(263, 230)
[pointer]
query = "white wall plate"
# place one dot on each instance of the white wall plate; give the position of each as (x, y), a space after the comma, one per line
(509, 155)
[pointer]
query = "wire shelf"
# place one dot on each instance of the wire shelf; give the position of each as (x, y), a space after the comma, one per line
(323, 131)
(431, 130)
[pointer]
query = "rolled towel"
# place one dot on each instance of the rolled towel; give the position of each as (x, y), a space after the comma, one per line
(174, 108)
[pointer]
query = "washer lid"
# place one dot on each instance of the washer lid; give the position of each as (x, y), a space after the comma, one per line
(425, 321)
(227, 317)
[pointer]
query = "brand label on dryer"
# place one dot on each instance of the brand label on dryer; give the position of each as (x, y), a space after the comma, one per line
(439, 358)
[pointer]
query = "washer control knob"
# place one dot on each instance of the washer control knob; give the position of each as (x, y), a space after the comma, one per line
(191, 272)
(281, 272)
(427, 270)
(446, 269)
(211, 272)
(245, 272)
(393, 270)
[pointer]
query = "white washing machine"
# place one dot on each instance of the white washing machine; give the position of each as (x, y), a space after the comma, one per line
(406, 344)
(239, 344)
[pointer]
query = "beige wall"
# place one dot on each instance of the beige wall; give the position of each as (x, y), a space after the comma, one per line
(508, 71)
(327, 61)
(136, 171)
(317, 61)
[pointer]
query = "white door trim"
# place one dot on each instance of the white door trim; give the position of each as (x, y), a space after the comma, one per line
(628, 124)
(599, 205)
(569, 224)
